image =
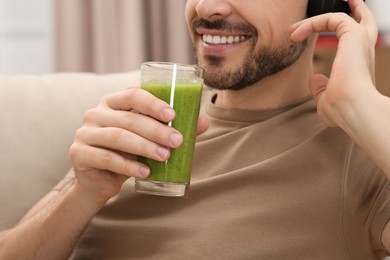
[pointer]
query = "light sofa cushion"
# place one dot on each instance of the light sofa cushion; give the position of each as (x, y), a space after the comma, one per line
(39, 115)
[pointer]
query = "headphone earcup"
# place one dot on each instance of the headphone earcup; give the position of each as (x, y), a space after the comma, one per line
(316, 7)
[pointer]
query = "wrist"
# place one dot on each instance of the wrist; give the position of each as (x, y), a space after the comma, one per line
(354, 111)
(87, 199)
(359, 116)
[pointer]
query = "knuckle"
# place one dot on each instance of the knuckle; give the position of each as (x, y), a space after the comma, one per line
(162, 133)
(133, 94)
(79, 134)
(106, 158)
(90, 115)
(159, 131)
(131, 119)
(127, 167)
(134, 91)
(114, 135)
(74, 150)
(104, 99)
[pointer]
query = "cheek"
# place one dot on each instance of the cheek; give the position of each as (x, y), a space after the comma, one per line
(190, 12)
(273, 29)
(275, 16)
(190, 15)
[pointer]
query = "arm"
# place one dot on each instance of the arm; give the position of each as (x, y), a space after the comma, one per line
(348, 98)
(51, 228)
(104, 157)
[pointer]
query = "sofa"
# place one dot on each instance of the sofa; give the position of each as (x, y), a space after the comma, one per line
(39, 116)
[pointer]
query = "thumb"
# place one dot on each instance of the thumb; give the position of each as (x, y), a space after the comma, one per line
(317, 86)
(203, 125)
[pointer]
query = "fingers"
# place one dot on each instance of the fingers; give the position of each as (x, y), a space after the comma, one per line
(121, 140)
(365, 17)
(142, 102)
(321, 23)
(136, 123)
(339, 23)
(124, 126)
(89, 157)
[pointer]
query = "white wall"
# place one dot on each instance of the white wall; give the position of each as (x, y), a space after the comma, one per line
(25, 36)
(381, 10)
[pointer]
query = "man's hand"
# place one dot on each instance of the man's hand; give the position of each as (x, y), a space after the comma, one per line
(123, 126)
(352, 78)
(348, 98)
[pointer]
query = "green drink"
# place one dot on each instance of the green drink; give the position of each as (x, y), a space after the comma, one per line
(181, 87)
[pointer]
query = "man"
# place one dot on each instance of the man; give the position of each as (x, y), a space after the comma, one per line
(270, 180)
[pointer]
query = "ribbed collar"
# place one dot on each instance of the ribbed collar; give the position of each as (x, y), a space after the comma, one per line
(245, 115)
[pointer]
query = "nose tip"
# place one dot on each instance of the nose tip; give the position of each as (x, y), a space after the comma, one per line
(213, 9)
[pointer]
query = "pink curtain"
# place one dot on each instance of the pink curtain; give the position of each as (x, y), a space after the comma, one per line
(105, 36)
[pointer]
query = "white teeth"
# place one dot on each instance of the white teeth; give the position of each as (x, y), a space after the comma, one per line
(217, 39)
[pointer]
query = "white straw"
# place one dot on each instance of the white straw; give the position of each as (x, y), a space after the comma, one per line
(172, 99)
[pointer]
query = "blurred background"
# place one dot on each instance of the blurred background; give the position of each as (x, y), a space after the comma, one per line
(45, 36)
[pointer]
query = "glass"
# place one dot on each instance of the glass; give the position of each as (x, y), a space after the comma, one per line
(180, 86)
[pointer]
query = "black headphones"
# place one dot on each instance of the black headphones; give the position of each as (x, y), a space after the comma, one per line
(316, 7)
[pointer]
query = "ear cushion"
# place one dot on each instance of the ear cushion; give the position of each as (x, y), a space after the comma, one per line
(316, 7)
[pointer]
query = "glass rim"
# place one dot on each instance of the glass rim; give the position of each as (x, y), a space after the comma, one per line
(169, 65)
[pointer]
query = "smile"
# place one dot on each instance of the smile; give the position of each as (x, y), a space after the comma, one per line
(222, 39)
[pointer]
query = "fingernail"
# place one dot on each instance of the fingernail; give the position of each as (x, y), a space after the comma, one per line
(168, 114)
(176, 139)
(163, 153)
(144, 171)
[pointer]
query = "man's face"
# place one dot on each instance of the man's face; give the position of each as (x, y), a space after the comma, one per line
(240, 42)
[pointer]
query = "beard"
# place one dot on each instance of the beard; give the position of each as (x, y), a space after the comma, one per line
(256, 65)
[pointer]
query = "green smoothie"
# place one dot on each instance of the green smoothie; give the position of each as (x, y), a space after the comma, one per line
(186, 104)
